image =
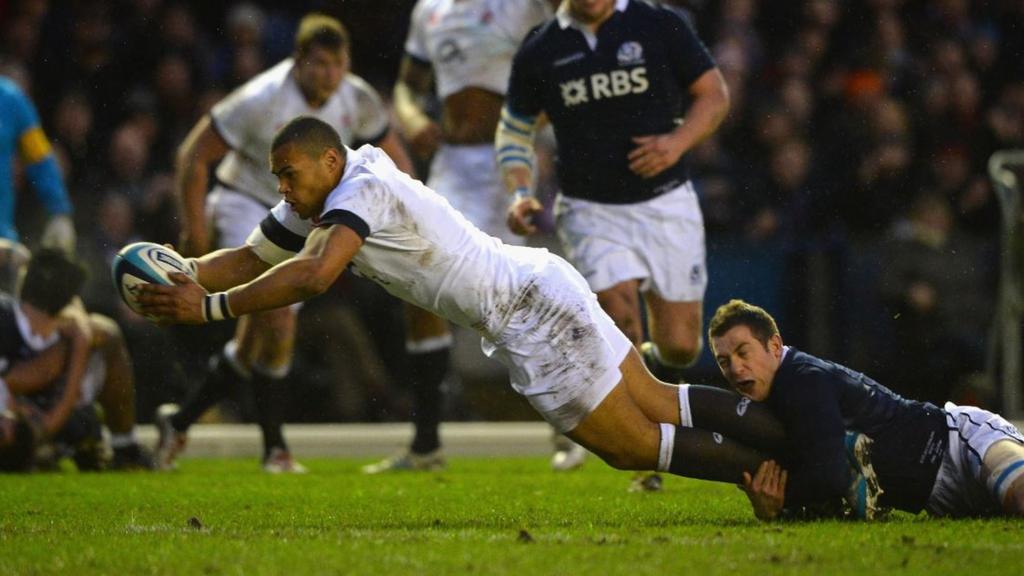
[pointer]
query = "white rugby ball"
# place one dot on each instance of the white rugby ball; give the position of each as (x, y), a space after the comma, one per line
(145, 263)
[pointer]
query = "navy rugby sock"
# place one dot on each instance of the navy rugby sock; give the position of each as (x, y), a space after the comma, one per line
(270, 395)
(750, 423)
(428, 370)
(705, 455)
(221, 380)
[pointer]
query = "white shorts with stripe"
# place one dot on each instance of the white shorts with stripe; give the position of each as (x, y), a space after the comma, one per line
(959, 488)
(468, 177)
(93, 379)
(659, 241)
(562, 350)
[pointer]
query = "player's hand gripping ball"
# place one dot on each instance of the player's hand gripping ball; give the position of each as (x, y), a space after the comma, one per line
(147, 263)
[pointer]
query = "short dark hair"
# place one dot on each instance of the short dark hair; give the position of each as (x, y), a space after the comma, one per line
(312, 135)
(739, 313)
(51, 280)
(320, 30)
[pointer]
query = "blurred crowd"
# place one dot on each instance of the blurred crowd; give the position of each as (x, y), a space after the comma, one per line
(855, 154)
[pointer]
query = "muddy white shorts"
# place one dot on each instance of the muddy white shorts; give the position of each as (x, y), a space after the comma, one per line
(562, 350)
(659, 241)
(468, 177)
(959, 488)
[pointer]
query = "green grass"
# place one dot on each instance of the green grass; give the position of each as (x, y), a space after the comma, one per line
(482, 516)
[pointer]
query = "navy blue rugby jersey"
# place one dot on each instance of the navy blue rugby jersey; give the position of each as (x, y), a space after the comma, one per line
(634, 82)
(818, 401)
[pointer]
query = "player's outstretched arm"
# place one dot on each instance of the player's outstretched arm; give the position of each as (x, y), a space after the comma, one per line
(228, 268)
(309, 273)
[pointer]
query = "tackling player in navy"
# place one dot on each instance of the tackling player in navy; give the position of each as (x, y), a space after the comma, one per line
(951, 461)
(629, 90)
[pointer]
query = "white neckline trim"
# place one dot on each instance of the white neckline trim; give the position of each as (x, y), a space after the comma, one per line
(34, 341)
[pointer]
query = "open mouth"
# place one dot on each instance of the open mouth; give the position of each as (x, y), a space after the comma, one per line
(745, 386)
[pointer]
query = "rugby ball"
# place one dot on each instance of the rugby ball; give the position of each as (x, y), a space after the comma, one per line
(145, 263)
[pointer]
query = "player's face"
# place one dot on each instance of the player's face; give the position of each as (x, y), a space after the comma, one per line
(591, 11)
(748, 365)
(303, 180)
(318, 73)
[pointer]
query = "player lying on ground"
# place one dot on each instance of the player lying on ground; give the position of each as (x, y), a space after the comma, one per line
(58, 361)
(951, 461)
(535, 313)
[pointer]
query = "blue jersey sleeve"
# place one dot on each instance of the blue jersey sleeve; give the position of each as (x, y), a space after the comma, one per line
(810, 409)
(40, 165)
(690, 58)
(524, 98)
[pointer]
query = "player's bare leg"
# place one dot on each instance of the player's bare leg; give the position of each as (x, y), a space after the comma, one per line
(428, 348)
(620, 433)
(675, 332)
(117, 395)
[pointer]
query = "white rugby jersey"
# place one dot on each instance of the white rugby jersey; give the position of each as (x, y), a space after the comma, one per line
(249, 117)
(416, 245)
(471, 42)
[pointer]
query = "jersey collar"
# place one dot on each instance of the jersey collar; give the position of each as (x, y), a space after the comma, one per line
(565, 20)
(36, 342)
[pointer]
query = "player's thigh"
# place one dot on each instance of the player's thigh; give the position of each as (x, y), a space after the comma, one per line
(423, 324)
(105, 332)
(619, 432)
(658, 401)
(673, 325)
(270, 334)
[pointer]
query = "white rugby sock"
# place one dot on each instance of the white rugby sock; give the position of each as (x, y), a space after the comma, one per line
(236, 365)
(432, 344)
(685, 416)
(665, 448)
(123, 440)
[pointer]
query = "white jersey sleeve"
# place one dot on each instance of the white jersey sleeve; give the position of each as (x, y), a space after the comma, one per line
(369, 116)
(280, 235)
(235, 116)
(415, 43)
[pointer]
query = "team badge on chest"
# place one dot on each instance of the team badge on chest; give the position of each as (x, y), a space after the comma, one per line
(630, 53)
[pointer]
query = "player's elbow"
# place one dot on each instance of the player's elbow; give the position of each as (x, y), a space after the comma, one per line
(316, 279)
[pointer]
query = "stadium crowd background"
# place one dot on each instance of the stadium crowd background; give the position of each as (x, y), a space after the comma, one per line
(846, 192)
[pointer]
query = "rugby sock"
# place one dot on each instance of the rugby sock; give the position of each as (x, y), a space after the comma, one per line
(705, 455)
(123, 440)
(224, 373)
(269, 392)
(428, 368)
(750, 423)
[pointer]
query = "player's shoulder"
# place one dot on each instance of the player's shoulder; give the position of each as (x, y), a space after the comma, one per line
(269, 81)
(537, 41)
(11, 93)
(355, 86)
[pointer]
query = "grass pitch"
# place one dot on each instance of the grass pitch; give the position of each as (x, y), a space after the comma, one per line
(482, 516)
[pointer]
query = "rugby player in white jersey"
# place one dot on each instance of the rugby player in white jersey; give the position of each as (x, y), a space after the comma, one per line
(535, 313)
(464, 50)
(235, 137)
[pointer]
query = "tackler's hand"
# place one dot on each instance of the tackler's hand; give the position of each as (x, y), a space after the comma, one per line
(520, 215)
(178, 304)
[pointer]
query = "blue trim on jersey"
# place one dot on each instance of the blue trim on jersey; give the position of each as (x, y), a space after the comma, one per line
(1009, 470)
(281, 236)
(339, 217)
(508, 126)
(521, 159)
(512, 147)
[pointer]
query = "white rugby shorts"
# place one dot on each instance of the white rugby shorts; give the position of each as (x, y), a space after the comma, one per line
(959, 488)
(561, 349)
(468, 177)
(233, 215)
(659, 241)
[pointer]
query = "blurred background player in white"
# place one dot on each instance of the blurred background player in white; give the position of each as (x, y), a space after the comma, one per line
(534, 312)
(58, 362)
(235, 137)
(464, 51)
(22, 137)
(629, 90)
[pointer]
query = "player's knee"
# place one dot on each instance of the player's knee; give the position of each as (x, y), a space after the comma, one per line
(681, 352)
(106, 332)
